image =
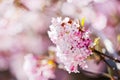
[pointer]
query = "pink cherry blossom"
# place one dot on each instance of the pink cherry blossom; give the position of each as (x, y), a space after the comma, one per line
(38, 68)
(72, 43)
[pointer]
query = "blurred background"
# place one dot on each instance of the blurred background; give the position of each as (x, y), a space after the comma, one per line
(24, 25)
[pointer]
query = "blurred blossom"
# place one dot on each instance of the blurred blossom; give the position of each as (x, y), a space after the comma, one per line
(107, 8)
(38, 69)
(85, 2)
(99, 1)
(80, 2)
(19, 29)
(80, 9)
(35, 5)
(70, 7)
(100, 22)
(16, 66)
(72, 43)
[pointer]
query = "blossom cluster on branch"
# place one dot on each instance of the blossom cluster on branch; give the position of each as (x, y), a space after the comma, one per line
(72, 43)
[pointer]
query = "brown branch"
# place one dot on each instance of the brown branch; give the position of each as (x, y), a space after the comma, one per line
(102, 55)
(110, 57)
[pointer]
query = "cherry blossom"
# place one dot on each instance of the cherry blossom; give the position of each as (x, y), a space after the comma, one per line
(38, 68)
(72, 43)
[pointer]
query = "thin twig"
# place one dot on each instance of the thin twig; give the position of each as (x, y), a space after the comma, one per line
(112, 77)
(110, 57)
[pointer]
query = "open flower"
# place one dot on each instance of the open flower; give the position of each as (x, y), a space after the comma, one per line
(39, 68)
(72, 43)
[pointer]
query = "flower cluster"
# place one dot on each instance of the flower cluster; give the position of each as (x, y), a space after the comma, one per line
(39, 68)
(72, 43)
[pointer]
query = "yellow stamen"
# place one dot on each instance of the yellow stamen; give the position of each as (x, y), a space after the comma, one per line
(82, 22)
(96, 41)
(51, 62)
